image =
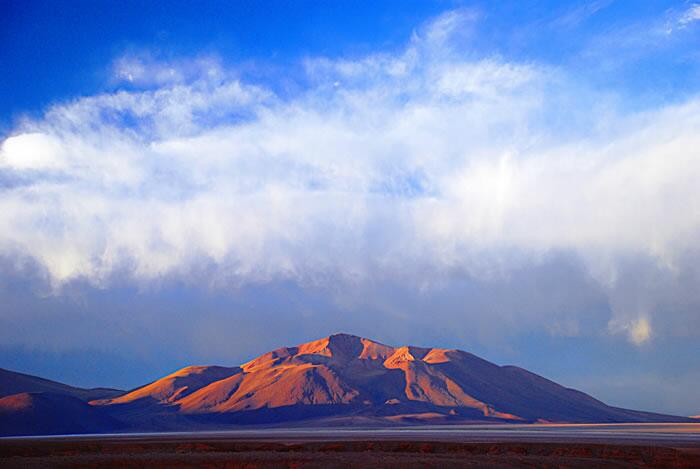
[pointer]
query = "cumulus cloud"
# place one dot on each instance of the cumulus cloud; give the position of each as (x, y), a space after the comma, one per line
(418, 166)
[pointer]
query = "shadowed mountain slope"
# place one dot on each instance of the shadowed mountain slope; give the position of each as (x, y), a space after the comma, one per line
(47, 413)
(12, 382)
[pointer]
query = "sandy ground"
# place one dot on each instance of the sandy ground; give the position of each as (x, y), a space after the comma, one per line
(524, 446)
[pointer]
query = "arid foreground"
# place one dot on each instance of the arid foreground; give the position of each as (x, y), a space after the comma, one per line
(573, 447)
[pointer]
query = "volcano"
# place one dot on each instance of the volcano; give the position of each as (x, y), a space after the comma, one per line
(344, 378)
(338, 380)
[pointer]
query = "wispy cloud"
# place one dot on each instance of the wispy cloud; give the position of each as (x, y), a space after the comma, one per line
(144, 70)
(417, 166)
(579, 14)
(691, 15)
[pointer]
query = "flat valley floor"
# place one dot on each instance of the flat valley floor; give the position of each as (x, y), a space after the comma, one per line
(501, 446)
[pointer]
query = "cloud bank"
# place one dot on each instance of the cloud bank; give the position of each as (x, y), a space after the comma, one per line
(419, 166)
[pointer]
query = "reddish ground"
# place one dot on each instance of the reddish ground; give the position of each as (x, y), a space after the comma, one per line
(181, 452)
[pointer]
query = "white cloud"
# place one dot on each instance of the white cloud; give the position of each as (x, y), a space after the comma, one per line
(691, 15)
(32, 151)
(385, 165)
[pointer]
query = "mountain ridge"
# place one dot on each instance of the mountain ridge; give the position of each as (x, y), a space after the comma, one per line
(361, 376)
(345, 379)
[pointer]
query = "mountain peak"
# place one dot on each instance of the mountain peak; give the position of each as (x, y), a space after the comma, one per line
(342, 347)
(345, 346)
(344, 335)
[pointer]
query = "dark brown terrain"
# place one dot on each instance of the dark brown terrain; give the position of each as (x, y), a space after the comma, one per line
(672, 446)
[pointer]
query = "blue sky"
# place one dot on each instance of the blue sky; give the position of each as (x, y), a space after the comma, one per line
(64, 48)
(188, 184)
